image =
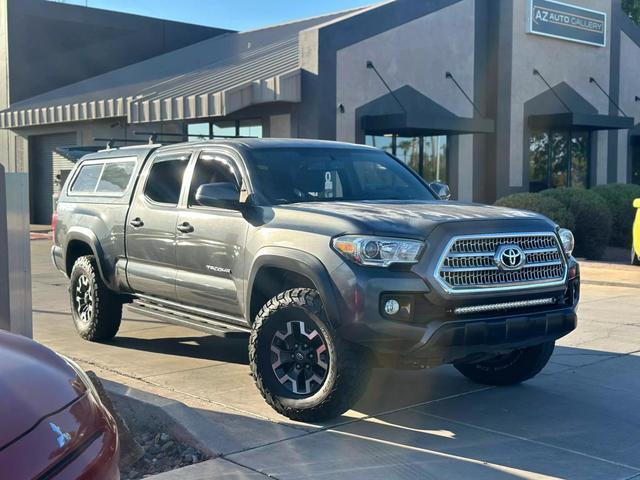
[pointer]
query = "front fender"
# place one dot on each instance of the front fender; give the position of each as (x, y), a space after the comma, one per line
(300, 262)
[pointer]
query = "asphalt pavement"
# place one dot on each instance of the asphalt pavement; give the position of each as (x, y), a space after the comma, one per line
(579, 419)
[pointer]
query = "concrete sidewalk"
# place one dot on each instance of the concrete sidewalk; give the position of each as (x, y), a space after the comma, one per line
(578, 419)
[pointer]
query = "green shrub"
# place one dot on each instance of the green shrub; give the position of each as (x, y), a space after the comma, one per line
(547, 206)
(619, 199)
(592, 219)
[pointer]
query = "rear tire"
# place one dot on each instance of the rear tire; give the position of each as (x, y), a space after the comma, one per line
(634, 257)
(96, 310)
(303, 369)
(515, 367)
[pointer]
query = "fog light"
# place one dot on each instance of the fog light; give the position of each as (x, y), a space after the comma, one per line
(391, 307)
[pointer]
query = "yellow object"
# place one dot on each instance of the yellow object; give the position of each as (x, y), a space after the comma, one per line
(635, 257)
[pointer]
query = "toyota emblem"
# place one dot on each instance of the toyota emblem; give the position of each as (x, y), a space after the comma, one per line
(510, 257)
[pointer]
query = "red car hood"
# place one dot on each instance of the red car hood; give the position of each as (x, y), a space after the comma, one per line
(34, 383)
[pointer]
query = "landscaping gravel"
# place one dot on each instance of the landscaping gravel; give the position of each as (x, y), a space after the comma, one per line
(162, 453)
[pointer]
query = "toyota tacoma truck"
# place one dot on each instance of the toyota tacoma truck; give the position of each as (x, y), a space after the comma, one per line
(332, 258)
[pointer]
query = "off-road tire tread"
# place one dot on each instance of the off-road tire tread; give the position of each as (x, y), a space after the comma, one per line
(532, 361)
(352, 373)
(107, 305)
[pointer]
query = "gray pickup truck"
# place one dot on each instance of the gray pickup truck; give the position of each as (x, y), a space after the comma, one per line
(333, 258)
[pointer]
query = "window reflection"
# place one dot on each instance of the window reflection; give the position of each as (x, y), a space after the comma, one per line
(558, 158)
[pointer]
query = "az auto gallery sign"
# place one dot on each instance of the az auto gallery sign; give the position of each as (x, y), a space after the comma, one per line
(568, 22)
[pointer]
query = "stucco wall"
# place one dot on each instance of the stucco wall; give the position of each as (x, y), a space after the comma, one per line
(558, 60)
(629, 89)
(417, 53)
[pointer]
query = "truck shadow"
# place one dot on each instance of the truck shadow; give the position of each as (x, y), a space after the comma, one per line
(575, 420)
(208, 347)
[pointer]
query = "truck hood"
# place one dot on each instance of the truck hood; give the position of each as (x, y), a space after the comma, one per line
(35, 382)
(415, 219)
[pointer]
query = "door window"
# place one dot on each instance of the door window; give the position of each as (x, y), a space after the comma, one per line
(211, 168)
(165, 179)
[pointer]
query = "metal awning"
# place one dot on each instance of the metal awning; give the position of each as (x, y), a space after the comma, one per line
(420, 116)
(583, 121)
(208, 79)
(412, 124)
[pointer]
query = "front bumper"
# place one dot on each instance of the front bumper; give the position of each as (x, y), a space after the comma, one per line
(456, 340)
(436, 334)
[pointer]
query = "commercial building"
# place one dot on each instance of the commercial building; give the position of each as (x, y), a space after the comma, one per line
(492, 97)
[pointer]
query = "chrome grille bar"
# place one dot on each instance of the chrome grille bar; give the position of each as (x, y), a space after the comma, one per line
(468, 263)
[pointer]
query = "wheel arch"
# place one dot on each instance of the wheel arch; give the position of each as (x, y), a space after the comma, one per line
(82, 241)
(301, 267)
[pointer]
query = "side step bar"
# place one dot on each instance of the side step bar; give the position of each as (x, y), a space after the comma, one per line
(189, 320)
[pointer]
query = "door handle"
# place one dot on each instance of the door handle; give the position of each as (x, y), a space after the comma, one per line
(136, 222)
(185, 227)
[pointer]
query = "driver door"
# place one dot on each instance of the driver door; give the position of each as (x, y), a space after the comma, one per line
(210, 242)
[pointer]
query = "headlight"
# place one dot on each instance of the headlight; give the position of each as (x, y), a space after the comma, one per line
(378, 251)
(568, 242)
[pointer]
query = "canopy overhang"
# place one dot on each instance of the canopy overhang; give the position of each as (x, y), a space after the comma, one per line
(412, 124)
(582, 121)
(285, 87)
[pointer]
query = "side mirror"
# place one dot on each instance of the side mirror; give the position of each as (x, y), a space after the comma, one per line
(441, 189)
(636, 203)
(220, 195)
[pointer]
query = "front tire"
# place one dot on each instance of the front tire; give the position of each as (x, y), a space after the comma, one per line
(514, 367)
(303, 369)
(96, 310)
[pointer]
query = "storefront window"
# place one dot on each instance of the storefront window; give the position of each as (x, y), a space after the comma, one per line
(198, 131)
(435, 159)
(383, 142)
(225, 129)
(558, 158)
(408, 150)
(250, 128)
(426, 155)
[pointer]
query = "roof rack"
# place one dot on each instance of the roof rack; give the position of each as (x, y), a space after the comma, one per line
(186, 136)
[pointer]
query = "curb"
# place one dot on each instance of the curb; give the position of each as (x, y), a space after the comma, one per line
(184, 423)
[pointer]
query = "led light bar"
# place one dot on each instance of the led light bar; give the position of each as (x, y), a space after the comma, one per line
(504, 306)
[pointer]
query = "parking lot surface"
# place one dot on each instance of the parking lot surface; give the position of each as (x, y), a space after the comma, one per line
(579, 419)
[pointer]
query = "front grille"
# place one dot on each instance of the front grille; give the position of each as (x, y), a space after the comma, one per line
(469, 262)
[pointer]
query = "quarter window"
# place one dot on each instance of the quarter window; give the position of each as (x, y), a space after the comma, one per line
(165, 179)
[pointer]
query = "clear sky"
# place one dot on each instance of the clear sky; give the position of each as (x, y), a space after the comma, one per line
(233, 14)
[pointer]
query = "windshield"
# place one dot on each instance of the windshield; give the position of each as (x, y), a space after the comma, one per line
(291, 175)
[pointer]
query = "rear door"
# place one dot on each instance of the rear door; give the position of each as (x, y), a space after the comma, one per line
(210, 245)
(151, 226)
